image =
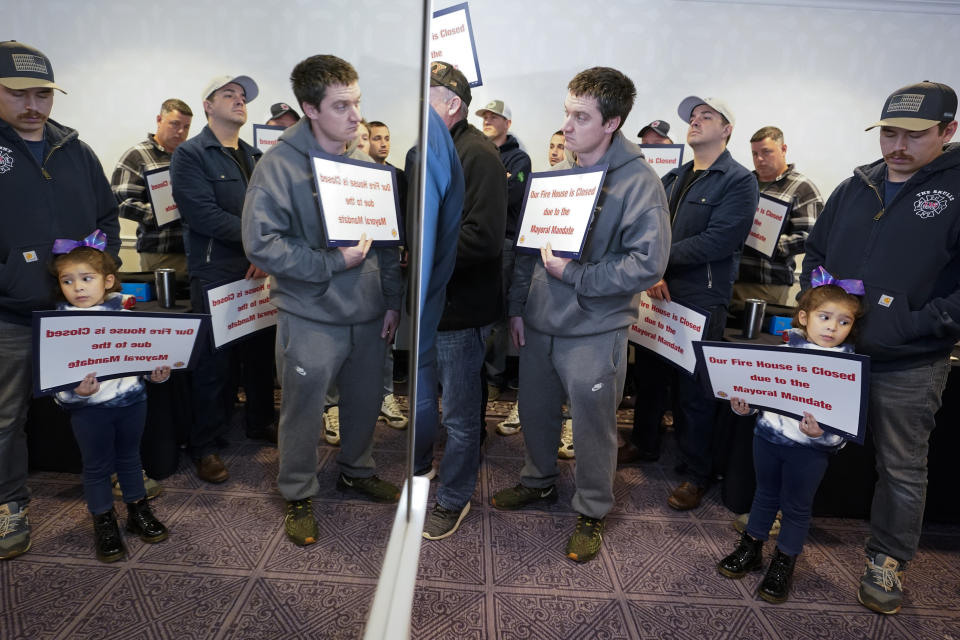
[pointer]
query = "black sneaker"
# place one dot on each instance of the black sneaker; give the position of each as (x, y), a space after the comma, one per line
(372, 488)
(584, 544)
(442, 523)
(520, 496)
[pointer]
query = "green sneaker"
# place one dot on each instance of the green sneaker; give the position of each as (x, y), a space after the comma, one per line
(881, 586)
(584, 544)
(372, 488)
(14, 530)
(151, 486)
(520, 496)
(299, 523)
(442, 523)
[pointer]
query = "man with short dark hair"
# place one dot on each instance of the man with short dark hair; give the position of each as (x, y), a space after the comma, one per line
(282, 115)
(569, 319)
(158, 246)
(473, 302)
(894, 225)
(379, 150)
(555, 152)
(771, 278)
(379, 141)
(209, 174)
(339, 307)
(657, 132)
(44, 196)
(713, 200)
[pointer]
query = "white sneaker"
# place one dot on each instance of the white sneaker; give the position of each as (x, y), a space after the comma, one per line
(511, 425)
(391, 413)
(331, 425)
(565, 450)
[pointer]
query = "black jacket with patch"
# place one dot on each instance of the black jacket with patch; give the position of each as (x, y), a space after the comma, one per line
(906, 251)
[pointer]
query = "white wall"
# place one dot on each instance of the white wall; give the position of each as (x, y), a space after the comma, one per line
(118, 60)
(821, 74)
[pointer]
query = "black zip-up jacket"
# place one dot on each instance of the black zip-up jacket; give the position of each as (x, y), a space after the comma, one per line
(474, 293)
(68, 196)
(713, 216)
(906, 251)
(209, 188)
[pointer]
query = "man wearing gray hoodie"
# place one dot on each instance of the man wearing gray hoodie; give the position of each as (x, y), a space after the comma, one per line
(339, 307)
(569, 319)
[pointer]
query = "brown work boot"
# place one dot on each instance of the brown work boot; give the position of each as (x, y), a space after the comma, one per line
(210, 468)
(687, 496)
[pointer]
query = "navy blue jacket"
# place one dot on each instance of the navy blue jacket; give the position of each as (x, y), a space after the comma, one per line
(713, 217)
(906, 251)
(68, 196)
(209, 188)
(517, 163)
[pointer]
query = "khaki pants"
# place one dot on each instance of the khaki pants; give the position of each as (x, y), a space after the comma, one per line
(175, 261)
(781, 294)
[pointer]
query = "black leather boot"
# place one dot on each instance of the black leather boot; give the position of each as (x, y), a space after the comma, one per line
(776, 584)
(141, 521)
(107, 538)
(747, 557)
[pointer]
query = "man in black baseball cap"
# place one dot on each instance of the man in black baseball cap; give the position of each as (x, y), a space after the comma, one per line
(45, 196)
(282, 115)
(657, 132)
(444, 74)
(893, 226)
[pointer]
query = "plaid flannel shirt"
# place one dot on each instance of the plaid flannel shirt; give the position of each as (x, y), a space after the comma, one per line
(806, 204)
(130, 189)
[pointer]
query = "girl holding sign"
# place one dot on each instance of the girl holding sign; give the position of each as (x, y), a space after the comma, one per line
(107, 417)
(791, 456)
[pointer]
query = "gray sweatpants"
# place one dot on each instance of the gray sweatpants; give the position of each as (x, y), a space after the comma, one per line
(590, 371)
(311, 356)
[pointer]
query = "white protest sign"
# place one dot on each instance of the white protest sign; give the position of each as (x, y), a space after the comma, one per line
(356, 198)
(161, 195)
(829, 385)
(266, 136)
(558, 208)
(451, 40)
(71, 344)
(767, 224)
(663, 157)
(669, 329)
(239, 308)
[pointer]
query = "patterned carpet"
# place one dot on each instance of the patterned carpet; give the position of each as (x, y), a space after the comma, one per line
(227, 570)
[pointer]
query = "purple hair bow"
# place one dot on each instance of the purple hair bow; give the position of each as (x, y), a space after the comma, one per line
(96, 240)
(820, 277)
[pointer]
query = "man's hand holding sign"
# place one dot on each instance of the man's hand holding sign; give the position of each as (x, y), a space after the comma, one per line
(557, 208)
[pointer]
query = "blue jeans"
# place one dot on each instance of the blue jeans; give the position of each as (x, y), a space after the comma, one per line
(16, 375)
(214, 383)
(902, 409)
(109, 440)
(459, 361)
(787, 479)
(695, 412)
